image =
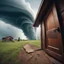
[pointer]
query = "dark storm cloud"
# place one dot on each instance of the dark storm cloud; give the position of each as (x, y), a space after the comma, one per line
(19, 14)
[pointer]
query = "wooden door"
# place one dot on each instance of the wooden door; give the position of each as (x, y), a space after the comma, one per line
(53, 35)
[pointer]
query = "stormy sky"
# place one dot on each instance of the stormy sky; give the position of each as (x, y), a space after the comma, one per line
(8, 29)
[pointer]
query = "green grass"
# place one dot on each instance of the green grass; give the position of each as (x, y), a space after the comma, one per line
(9, 50)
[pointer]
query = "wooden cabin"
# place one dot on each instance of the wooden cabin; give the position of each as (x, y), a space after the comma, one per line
(8, 38)
(51, 18)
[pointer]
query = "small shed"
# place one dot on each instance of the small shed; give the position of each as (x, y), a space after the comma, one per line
(51, 18)
(8, 38)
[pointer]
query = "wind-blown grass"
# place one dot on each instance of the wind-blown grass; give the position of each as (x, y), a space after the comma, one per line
(9, 50)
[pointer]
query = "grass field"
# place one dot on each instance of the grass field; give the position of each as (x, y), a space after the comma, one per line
(9, 50)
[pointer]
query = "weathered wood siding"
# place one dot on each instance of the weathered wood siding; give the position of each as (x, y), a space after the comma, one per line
(51, 35)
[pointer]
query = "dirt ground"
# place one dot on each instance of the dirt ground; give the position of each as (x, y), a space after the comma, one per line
(36, 57)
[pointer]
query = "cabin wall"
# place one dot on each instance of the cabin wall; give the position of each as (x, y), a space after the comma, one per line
(51, 39)
(52, 35)
(60, 10)
(60, 4)
(60, 7)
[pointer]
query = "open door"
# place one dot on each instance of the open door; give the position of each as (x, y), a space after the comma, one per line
(53, 35)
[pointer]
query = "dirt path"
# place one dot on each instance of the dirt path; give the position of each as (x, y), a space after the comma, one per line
(37, 57)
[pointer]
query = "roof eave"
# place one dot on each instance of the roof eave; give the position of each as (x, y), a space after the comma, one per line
(44, 7)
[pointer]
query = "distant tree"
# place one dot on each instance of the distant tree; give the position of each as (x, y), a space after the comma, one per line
(19, 39)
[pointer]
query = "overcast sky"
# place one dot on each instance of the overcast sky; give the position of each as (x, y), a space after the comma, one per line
(34, 4)
(9, 30)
